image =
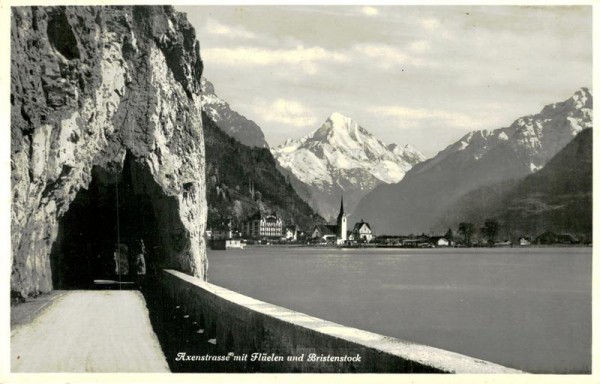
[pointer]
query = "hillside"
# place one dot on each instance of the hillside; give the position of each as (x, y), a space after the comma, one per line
(557, 198)
(231, 169)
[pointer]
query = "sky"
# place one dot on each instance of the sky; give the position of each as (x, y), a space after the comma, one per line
(419, 75)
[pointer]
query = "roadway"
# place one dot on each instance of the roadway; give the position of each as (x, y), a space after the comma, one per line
(88, 331)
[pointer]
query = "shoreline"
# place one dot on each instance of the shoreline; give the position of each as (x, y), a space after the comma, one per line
(375, 246)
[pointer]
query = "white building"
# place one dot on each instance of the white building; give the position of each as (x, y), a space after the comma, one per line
(291, 233)
(263, 226)
(524, 241)
(362, 232)
(440, 242)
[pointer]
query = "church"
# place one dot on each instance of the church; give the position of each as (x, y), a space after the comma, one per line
(337, 232)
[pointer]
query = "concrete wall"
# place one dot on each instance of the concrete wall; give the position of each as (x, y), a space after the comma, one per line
(243, 325)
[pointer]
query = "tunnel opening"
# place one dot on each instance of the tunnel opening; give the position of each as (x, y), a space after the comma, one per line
(121, 215)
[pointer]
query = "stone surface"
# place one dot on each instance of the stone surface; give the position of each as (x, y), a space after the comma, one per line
(90, 87)
(228, 318)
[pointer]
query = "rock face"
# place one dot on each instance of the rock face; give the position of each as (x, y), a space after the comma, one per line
(481, 158)
(229, 121)
(341, 157)
(105, 119)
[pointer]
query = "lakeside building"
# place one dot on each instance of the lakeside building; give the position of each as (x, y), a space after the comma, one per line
(439, 241)
(291, 233)
(324, 232)
(389, 240)
(223, 244)
(222, 231)
(361, 232)
(263, 226)
(221, 234)
(524, 241)
(333, 233)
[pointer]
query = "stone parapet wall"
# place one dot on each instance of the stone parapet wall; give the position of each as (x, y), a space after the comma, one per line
(241, 325)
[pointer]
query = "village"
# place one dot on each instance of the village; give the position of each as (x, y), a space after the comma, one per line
(269, 229)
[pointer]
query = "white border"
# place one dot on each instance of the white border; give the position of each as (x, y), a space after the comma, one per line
(5, 201)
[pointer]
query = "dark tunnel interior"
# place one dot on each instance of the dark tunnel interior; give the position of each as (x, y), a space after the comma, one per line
(112, 213)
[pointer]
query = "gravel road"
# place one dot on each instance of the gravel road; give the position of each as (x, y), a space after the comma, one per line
(89, 331)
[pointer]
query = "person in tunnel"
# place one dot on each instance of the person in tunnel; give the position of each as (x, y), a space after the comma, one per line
(139, 265)
(121, 261)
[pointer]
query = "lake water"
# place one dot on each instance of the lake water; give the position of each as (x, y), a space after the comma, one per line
(524, 308)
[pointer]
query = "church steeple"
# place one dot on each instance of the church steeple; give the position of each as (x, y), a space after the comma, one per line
(342, 224)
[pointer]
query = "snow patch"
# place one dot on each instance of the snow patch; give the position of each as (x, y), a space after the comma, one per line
(534, 168)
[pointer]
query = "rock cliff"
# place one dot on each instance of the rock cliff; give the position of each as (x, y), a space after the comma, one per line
(105, 119)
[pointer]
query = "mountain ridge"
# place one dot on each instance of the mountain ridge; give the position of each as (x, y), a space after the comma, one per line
(342, 157)
(231, 122)
(556, 198)
(479, 158)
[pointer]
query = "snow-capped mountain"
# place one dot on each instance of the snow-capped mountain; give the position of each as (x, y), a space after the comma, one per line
(532, 140)
(557, 198)
(478, 159)
(232, 123)
(341, 157)
(408, 153)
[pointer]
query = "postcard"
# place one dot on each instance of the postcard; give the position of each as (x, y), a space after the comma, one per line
(299, 189)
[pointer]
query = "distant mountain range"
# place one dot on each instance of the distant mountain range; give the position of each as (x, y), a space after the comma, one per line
(342, 158)
(479, 159)
(557, 198)
(232, 123)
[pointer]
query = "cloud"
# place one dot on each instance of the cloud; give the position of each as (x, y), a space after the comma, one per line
(430, 23)
(214, 27)
(419, 46)
(369, 11)
(387, 56)
(284, 111)
(408, 117)
(306, 59)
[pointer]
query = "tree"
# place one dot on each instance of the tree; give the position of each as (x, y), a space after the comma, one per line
(490, 230)
(466, 229)
(449, 235)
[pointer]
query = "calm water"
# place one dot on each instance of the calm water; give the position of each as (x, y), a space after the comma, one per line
(524, 308)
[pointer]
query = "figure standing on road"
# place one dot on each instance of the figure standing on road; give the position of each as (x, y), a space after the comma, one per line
(140, 263)
(121, 262)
